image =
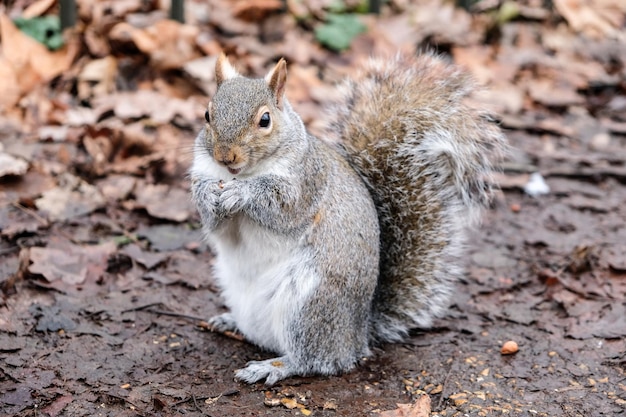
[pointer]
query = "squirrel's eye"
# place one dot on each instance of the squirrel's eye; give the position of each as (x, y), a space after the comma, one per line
(265, 120)
(206, 116)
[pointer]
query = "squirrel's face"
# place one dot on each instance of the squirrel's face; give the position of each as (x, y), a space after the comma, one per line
(240, 121)
(243, 119)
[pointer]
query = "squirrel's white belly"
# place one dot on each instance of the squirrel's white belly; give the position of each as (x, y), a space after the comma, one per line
(265, 278)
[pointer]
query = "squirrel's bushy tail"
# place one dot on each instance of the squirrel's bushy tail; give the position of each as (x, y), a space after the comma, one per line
(425, 154)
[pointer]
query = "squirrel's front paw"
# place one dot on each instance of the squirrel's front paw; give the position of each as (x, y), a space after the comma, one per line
(272, 370)
(206, 195)
(233, 196)
(205, 192)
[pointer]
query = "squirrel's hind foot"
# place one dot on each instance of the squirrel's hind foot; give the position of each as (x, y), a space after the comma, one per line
(223, 323)
(272, 370)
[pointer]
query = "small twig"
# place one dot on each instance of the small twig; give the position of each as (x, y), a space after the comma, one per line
(227, 333)
(186, 400)
(195, 403)
(137, 409)
(143, 329)
(201, 323)
(41, 220)
(31, 213)
(168, 313)
(207, 400)
(141, 307)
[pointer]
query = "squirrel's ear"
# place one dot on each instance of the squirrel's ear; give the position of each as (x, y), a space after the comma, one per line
(276, 80)
(223, 70)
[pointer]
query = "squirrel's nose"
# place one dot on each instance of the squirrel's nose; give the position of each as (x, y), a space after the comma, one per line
(225, 156)
(227, 160)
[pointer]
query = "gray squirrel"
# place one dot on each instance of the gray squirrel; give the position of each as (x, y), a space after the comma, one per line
(326, 247)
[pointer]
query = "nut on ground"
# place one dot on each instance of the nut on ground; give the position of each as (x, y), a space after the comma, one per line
(508, 348)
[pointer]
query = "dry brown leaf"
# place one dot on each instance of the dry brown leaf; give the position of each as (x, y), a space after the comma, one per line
(16, 219)
(97, 44)
(615, 257)
(596, 18)
(120, 34)
(164, 202)
(148, 259)
(501, 98)
(58, 264)
(169, 44)
(396, 33)
(67, 264)
(137, 136)
(117, 187)
(38, 8)
(598, 319)
(73, 198)
(445, 22)
(420, 408)
(11, 165)
(201, 71)
(299, 49)
(80, 116)
(125, 148)
(100, 149)
(330, 405)
(53, 133)
(290, 403)
(221, 16)
(297, 8)
(124, 7)
(30, 185)
(56, 407)
(97, 78)
(160, 108)
(17, 49)
(31, 61)
(477, 59)
(144, 40)
(256, 10)
(548, 92)
(316, 8)
(303, 82)
(10, 90)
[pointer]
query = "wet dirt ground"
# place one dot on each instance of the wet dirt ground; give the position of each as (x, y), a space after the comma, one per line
(546, 272)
